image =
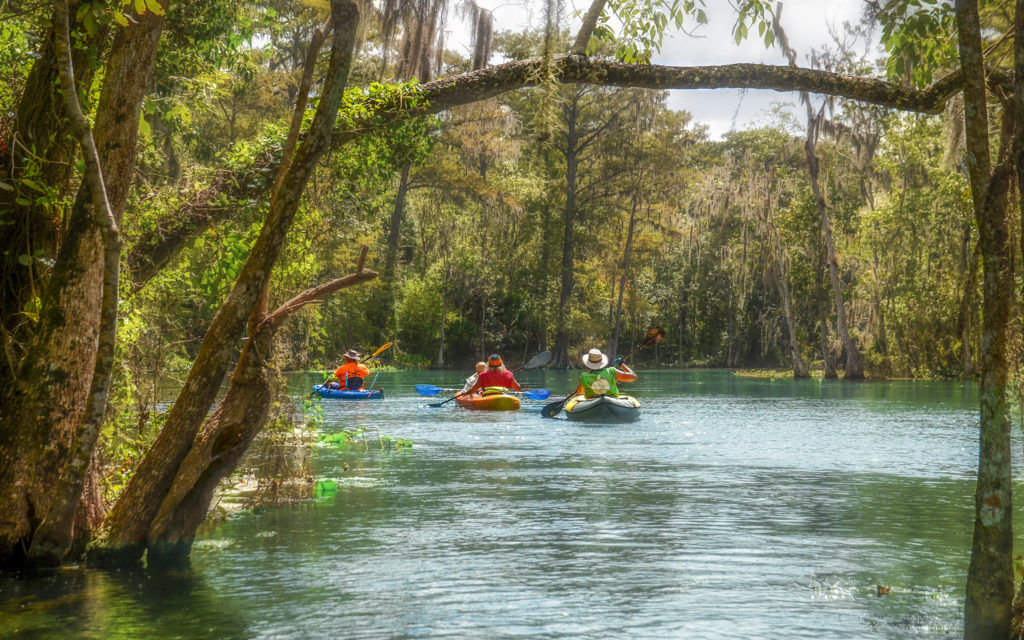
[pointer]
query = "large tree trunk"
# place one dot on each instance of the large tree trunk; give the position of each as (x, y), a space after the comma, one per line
(827, 357)
(46, 404)
(227, 433)
(395, 226)
(43, 150)
(799, 366)
(989, 590)
(560, 358)
(54, 535)
(854, 364)
(613, 344)
(126, 528)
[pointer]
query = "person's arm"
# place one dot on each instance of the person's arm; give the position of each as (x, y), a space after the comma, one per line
(515, 384)
(624, 376)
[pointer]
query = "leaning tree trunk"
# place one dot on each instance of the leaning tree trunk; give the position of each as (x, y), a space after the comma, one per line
(45, 407)
(226, 436)
(126, 528)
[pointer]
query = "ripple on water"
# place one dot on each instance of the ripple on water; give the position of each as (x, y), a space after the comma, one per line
(734, 508)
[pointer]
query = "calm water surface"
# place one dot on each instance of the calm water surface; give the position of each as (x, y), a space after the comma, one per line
(734, 509)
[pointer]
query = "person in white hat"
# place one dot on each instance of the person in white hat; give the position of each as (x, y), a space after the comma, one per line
(599, 379)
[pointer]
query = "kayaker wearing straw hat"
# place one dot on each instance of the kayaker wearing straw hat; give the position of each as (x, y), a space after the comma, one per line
(351, 372)
(600, 379)
(495, 376)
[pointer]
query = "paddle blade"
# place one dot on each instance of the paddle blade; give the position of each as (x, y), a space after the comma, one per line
(537, 394)
(542, 359)
(551, 410)
(654, 336)
(384, 347)
(427, 389)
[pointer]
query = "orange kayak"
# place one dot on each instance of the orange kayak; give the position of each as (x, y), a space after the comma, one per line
(489, 402)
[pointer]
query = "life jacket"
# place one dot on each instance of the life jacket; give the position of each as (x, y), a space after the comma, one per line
(599, 383)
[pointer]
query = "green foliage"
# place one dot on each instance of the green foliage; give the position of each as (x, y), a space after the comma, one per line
(643, 24)
(920, 38)
(356, 439)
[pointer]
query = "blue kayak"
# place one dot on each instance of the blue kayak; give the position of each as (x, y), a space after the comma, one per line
(348, 394)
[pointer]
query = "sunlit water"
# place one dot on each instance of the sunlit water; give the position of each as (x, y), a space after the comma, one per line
(733, 509)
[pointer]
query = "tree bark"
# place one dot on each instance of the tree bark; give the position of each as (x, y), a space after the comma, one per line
(226, 435)
(53, 537)
(613, 344)
(799, 366)
(854, 365)
(200, 212)
(989, 590)
(579, 46)
(828, 360)
(45, 407)
(395, 225)
(560, 358)
(126, 528)
(41, 148)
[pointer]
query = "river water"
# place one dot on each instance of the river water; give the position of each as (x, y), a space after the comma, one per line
(734, 508)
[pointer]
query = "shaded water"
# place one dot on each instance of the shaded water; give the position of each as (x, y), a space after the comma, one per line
(733, 508)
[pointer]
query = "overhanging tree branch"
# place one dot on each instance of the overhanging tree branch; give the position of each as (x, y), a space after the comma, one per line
(153, 253)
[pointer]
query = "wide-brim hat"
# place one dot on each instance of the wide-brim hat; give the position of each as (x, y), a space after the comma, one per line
(594, 359)
(352, 354)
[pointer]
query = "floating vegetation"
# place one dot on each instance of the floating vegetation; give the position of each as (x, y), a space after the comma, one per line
(325, 489)
(763, 374)
(357, 440)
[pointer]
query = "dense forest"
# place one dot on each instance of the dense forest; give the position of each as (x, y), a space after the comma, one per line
(191, 193)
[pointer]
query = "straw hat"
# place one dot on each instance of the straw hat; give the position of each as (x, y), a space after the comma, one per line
(352, 354)
(595, 360)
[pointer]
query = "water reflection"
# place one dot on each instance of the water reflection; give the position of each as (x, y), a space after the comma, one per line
(734, 508)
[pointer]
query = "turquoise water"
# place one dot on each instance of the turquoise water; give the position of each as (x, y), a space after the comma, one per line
(733, 508)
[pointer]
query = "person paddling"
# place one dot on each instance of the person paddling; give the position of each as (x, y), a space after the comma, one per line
(600, 379)
(496, 375)
(351, 372)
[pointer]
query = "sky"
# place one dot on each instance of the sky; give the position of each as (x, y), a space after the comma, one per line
(807, 24)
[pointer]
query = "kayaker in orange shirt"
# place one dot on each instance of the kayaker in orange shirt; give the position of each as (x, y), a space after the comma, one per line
(495, 376)
(351, 373)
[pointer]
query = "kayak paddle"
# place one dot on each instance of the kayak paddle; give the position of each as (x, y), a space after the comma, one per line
(384, 347)
(537, 394)
(542, 359)
(654, 336)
